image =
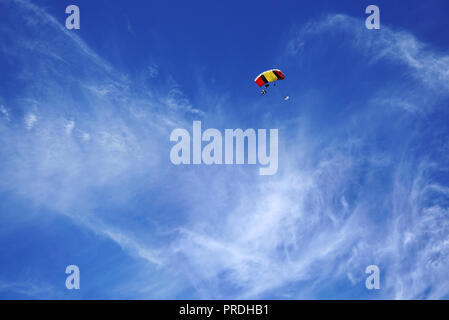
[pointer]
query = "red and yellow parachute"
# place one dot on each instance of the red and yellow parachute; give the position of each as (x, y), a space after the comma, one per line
(268, 76)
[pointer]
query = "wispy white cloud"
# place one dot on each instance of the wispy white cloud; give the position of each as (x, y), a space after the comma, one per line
(69, 127)
(293, 229)
(112, 137)
(86, 136)
(30, 120)
(419, 243)
(4, 112)
(41, 16)
(31, 289)
(429, 66)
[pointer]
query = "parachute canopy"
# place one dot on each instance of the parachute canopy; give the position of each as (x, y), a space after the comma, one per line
(269, 76)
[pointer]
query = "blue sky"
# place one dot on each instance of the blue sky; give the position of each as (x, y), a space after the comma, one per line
(85, 175)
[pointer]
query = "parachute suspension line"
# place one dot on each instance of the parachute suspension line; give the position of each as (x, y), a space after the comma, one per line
(264, 91)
